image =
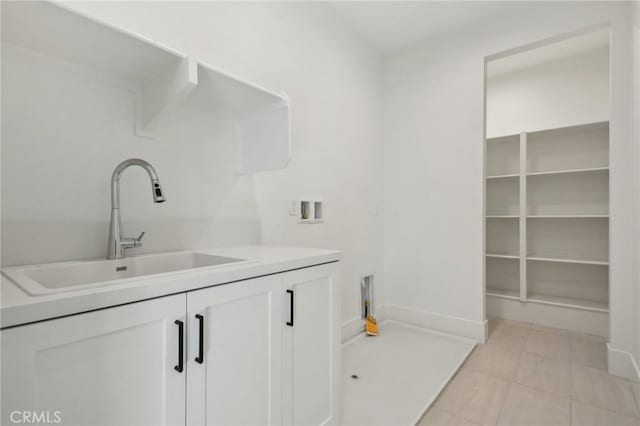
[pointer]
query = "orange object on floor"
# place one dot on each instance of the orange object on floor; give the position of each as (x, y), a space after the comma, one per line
(371, 326)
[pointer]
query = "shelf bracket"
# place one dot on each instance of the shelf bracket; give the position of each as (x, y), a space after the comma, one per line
(162, 91)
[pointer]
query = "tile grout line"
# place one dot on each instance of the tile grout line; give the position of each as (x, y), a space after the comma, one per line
(571, 380)
(594, 404)
(511, 380)
(573, 364)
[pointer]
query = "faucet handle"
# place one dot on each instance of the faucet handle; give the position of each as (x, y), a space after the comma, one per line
(137, 242)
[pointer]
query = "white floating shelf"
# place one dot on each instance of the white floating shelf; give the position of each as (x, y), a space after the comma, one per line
(567, 302)
(502, 216)
(159, 76)
(567, 260)
(262, 132)
(568, 171)
(502, 256)
(221, 88)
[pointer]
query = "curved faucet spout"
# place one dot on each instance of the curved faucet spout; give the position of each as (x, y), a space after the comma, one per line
(117, 243)
(156, 188)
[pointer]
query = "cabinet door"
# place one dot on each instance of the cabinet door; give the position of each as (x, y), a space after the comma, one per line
(235, 369)
(311, 349)
(114, 366)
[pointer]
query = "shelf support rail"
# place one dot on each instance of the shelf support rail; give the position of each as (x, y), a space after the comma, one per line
(523, 217)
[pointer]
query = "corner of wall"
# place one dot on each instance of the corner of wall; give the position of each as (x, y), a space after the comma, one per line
(622, 363)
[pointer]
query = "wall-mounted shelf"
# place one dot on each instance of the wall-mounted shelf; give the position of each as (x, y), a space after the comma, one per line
(503, 158)
(568, 216)
(568, 194)
(160, 77)
(516, 175)
(545, 299)
(506, 294)
(582, 147)
(569, 171)
(556, 253)
(502, 197)
(503, 256)
(568, 260)
(568, 302)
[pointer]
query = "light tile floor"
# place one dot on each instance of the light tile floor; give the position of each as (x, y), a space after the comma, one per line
(538, 376)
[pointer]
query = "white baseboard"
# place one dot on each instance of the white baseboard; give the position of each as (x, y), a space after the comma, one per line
(578, 320)
(352, 328)
(621, 363)
(476, 330)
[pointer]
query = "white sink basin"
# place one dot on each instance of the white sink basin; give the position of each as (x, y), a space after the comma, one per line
(68, 276)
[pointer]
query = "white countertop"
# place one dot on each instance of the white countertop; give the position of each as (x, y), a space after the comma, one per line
(18, 307)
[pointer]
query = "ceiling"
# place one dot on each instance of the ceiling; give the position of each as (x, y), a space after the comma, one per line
(392, 25)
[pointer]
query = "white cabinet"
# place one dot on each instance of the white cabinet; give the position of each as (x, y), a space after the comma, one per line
(109, 367)
(311, 349)
(263, 351)
(234, 367)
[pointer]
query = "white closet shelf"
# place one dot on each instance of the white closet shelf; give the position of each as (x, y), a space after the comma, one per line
(503, 256)
(577, 260)
(550, 216)
(511, 138)
(568, 216)
(568, 171)
(568, 302)
(593, 125)
(558, 204)
(590, 126)
(159, 76)
(506, 176)
(503, 293)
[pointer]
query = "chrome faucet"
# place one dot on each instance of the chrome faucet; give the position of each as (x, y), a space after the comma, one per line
(117, 243)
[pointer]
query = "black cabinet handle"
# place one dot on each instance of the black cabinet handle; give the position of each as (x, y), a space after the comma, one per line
(291, 298)
(180, 365)
(200, 357)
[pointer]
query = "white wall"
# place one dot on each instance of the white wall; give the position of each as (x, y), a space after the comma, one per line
(636, 307)
(63, 135)
(433, 146)
(558, 93)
